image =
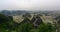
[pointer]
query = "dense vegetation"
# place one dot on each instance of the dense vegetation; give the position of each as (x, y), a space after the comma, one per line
(8, 25)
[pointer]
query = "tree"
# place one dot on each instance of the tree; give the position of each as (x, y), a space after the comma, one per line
(25, 26)
(46, 28)
(5, 22)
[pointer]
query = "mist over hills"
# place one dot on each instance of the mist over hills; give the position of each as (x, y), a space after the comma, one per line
(19, 12)
(13, 12)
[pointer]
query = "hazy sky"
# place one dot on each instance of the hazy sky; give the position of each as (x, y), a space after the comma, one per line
(30, 4)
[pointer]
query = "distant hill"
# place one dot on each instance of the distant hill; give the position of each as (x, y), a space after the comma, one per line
(10, 13)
